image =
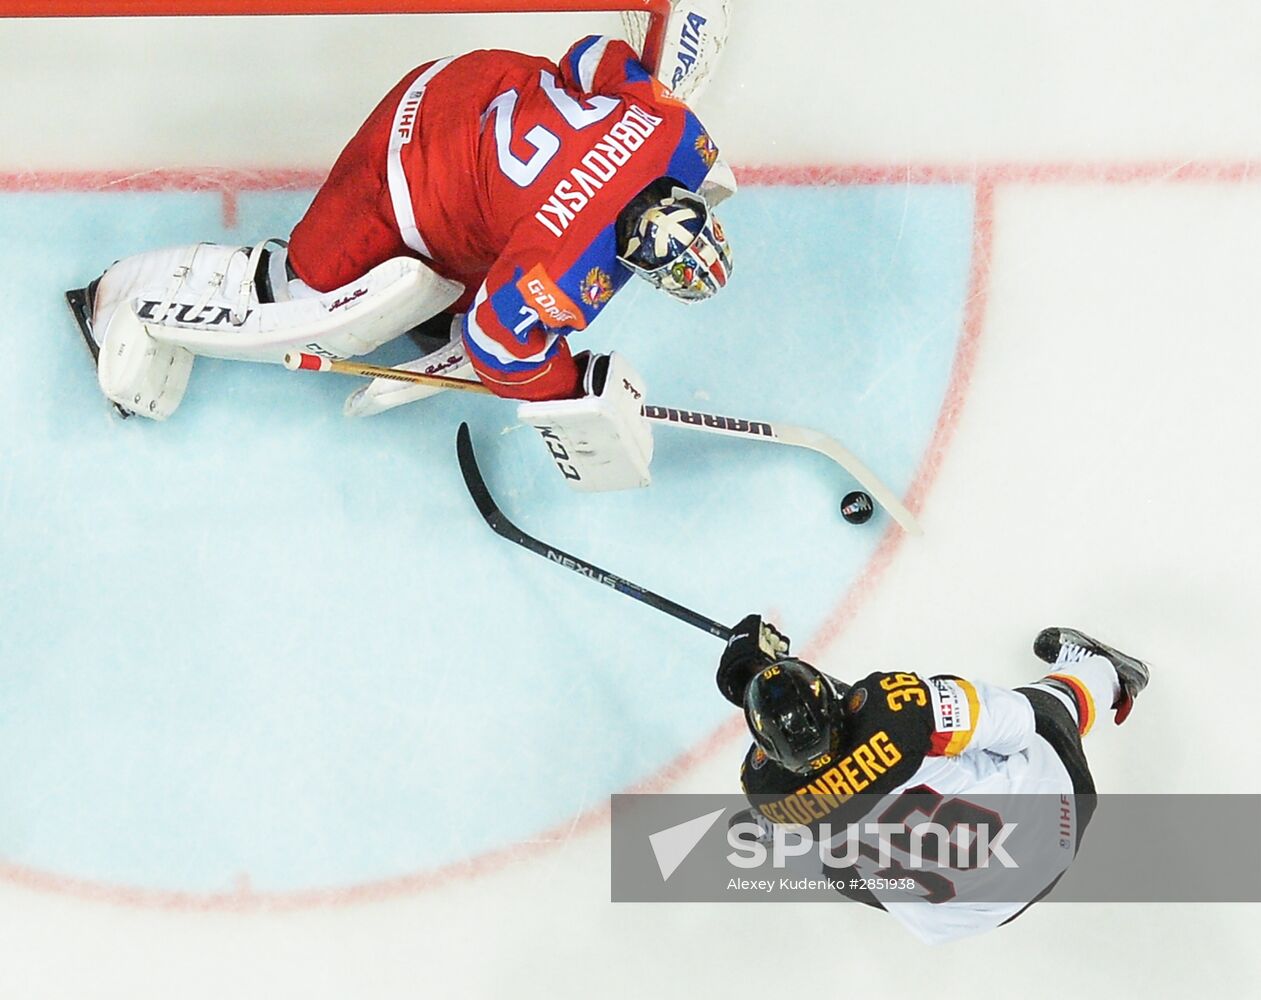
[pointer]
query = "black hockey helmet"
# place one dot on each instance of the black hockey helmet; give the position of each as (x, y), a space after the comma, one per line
(795, 713)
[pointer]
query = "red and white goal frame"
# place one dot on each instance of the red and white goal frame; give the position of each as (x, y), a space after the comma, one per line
(688, 33)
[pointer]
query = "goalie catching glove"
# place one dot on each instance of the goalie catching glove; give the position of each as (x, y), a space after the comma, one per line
(601, 440)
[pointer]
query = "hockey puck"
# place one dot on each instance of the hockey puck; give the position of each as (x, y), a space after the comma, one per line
(857, 507)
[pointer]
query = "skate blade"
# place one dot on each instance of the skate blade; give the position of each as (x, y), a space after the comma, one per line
(81, 311)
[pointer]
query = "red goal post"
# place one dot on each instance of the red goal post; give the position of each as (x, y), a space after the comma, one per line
(656, 12)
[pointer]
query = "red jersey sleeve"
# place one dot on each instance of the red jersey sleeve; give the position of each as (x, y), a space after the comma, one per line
(511, 351)
(531, 301)
(600, 64)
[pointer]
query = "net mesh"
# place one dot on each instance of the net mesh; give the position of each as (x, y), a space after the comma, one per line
(695, 36)
(243, 104)
(635, 28)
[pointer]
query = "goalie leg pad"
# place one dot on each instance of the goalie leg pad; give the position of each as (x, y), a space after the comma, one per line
(140, 374)
(204, 298)
(355, 319)
(154, 311)
(600, 441)
(383, 394)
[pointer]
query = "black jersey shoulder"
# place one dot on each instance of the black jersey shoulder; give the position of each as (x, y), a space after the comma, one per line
(885, 740)
(898, 703)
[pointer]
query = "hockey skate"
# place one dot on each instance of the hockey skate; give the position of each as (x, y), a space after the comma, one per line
(1066, 645)
(80, 301)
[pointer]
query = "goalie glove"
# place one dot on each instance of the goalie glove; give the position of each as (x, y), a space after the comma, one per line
(753, 647)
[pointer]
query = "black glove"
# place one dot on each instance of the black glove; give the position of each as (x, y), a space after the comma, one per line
(765, 832)
(593, 370)
(753, 646)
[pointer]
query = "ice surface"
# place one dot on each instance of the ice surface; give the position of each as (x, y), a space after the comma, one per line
(261, 657)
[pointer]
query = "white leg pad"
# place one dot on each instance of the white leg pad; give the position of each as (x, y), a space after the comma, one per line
(139, 373)
(383, 394)
(354, 319)
(600, 441)
(202, 300)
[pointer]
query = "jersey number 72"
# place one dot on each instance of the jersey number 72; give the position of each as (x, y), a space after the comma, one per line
(577, 114)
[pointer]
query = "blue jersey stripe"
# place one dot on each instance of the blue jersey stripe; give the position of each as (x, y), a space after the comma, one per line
(492, 362)
(686, 165)
(635, 72)
(576, 53)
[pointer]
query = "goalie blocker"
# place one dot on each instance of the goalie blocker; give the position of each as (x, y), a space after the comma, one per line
(601, 440)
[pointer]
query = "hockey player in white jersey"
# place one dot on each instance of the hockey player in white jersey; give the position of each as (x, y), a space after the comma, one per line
(943, 738)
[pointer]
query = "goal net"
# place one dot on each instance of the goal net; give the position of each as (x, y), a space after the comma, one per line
(134, 85)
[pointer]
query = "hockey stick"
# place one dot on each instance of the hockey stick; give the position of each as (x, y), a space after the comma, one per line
(757, 430)
(799, 437)
(500, 524)
(303, 362)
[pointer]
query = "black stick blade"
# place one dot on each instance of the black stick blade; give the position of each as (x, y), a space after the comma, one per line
(473, 480)
(499, 522)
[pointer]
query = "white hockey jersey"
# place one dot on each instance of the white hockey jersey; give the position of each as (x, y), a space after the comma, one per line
(941, 754)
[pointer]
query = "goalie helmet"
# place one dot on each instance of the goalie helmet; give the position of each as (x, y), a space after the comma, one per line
(676, 244)
(795, 713)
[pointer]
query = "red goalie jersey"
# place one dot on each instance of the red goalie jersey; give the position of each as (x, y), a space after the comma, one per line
(506, 172)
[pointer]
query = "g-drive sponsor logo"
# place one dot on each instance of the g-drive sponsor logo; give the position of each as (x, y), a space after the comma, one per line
(898, 846)
(551, 306)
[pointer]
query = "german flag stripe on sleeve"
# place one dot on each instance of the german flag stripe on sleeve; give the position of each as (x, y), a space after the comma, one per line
(1081, 695)
(956, 711)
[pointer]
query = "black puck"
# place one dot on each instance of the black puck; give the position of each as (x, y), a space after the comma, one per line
(857, 507)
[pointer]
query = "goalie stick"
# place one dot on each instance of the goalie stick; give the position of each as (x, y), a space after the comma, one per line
(500, 524)
(798, 437)
(710, 423)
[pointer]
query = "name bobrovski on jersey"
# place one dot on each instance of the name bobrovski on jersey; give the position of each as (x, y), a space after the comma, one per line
(609, 154)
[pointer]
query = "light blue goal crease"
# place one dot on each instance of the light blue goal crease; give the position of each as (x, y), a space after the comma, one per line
(265, 640)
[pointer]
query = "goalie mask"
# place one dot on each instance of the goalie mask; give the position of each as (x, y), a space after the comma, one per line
(795, 714)
(679, 247)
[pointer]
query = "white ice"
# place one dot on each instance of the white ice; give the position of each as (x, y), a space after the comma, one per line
(1099, 470)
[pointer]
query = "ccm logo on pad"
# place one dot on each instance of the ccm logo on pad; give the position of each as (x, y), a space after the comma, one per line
(559, 454)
